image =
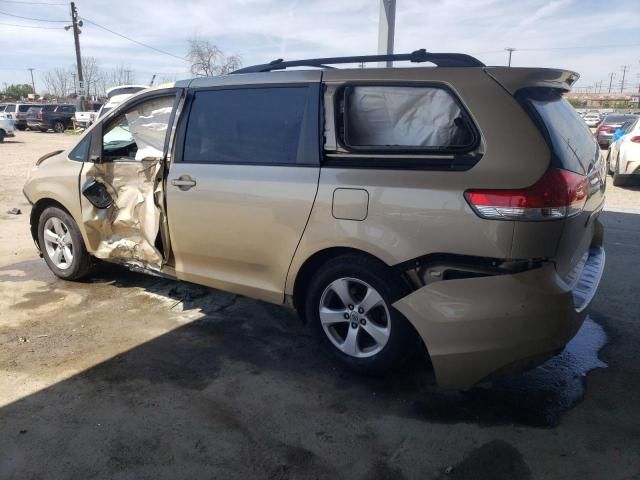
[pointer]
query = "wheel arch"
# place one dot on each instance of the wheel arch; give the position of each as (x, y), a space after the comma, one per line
(37, 209)
(315, 262)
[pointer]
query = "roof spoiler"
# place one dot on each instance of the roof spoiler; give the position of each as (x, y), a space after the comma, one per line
(417, 56)
(515, 78)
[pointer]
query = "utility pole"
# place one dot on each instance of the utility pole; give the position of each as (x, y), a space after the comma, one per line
(510, 50)
(33, 84)
(386, 30)
(128, 81)
(76, 38)
(75, 90)
(611, 76)
(625, 69)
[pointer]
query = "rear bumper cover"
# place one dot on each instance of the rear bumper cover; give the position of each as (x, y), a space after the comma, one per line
(474, 328)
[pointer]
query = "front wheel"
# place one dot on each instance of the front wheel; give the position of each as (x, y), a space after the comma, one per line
(61, 244)
(349, 301)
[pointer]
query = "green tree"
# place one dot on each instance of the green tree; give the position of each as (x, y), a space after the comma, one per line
(18, 92)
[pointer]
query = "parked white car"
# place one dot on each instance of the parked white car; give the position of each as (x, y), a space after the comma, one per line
(592, 119)
(624, 155)
(6, 129)
(117, 95)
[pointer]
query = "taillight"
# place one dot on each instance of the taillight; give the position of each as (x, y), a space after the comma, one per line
(558, 194)
(40, 115)
(635, 139)
(603, 128)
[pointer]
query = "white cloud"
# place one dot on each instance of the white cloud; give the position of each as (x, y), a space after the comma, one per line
(262, 30)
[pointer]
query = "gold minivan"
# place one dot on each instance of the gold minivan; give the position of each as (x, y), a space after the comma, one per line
(452, 208)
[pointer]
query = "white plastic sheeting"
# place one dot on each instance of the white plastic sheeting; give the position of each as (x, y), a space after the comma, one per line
(148, 126)
(401, 116)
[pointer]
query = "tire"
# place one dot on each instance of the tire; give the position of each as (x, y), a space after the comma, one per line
(2, 135)
(22, 128)
(43, 130)
(349, 339)
(58, 127)
(59, 238)
(618, 179)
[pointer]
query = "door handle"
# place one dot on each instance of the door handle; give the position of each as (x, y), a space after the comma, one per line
(183, 182)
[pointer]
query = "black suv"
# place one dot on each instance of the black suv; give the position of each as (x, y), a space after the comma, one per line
(55, 117)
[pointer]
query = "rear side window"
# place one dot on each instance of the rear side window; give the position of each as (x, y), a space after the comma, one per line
(264, 125)
(390, 117)
(571, 141)
(10, 108)
(24, 108)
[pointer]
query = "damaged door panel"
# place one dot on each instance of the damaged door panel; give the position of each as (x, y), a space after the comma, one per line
(122, 193)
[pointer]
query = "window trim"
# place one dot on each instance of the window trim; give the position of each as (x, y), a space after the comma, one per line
(312, 136)
(340, 121)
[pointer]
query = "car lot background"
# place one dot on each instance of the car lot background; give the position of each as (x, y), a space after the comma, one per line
(131, 376)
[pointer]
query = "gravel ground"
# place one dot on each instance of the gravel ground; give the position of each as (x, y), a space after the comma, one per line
(131, 376)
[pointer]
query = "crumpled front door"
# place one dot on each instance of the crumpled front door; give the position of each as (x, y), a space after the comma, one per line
(122, 194)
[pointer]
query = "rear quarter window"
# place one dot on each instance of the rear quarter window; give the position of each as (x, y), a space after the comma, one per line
(410, 118)
(572, 143)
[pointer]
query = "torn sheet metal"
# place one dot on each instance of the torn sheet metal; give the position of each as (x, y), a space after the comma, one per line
(126, 231)
(401, 116)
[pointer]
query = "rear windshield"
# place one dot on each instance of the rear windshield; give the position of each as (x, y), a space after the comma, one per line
(24, 108)
(617, 118)
(49, 108)
(574, 147)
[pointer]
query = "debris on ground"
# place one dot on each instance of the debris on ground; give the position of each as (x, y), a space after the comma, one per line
(23, 339)
(14, 211)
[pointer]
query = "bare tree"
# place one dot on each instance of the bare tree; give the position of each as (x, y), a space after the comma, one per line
(91, 74)
(57, 81)
(208, 60)
(120, 75)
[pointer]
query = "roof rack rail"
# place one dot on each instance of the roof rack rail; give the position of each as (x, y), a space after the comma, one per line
(418, 56)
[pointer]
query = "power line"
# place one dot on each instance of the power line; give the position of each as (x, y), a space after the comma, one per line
(583, 46)
(33, 3)
(34, 19)
(133, 40)
(30, 26)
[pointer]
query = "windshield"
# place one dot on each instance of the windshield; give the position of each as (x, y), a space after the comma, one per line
(573, 145)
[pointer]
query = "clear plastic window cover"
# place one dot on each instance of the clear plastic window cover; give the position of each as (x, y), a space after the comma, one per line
(148, 124)
(402, 116)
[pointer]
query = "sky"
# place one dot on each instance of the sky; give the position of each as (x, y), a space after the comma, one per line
(544, 33)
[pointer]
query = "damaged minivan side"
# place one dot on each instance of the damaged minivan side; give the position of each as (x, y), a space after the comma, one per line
(394, 208)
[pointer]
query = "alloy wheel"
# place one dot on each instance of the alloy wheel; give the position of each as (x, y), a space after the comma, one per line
(58, 243)
(355, 317)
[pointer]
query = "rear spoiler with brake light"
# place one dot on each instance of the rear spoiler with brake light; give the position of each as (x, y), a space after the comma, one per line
(514, 78)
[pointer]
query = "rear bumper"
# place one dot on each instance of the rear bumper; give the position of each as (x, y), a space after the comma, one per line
(604, 138)
(35, 124)
(478, 328)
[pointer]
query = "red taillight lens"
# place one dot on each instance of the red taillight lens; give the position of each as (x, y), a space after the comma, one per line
(635, 139)
(40, 115)
(603, 128)
(558, 194)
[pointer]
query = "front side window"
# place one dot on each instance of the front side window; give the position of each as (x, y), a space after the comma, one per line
(388, 117)
(246, 125)
(139, 133)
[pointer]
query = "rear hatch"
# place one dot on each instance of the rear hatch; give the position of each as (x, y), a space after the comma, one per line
(574, 153)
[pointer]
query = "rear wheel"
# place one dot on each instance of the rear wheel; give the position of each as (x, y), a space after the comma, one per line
(58, 127)
(349, 302)
(62, 245)
(2, 135)
(618, 179)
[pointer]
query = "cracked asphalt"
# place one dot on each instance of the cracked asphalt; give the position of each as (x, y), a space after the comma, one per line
(133, 376)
